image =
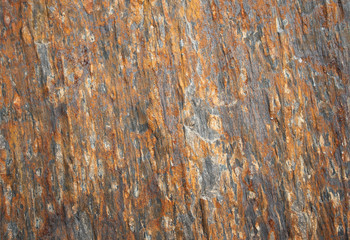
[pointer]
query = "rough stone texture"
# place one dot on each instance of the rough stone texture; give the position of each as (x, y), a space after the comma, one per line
(164, 119)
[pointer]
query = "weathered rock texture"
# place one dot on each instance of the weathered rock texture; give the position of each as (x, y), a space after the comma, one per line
(164, 119)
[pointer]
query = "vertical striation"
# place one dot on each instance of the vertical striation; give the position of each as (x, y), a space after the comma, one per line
(162, 119)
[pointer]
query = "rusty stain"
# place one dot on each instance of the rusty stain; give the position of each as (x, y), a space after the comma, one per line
(174, 119)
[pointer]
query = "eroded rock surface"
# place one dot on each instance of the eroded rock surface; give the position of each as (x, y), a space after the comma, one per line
(162, 119)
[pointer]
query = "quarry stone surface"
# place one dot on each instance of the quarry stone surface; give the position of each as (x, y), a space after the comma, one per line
(164, 119)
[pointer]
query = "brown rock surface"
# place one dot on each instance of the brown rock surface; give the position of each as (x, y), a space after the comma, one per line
(164, 119)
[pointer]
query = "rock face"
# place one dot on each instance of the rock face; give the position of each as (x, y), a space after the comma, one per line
(162, 119)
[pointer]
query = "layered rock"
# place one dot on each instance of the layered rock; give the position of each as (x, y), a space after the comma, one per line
(160, 119)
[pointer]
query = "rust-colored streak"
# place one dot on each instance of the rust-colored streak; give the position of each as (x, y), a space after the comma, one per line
(159, 119)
